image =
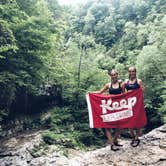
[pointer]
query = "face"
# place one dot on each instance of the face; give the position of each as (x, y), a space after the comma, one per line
(114, 76)
(132, 72)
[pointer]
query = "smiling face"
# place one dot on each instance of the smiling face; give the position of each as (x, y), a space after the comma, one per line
(132, 72)
(114, 76)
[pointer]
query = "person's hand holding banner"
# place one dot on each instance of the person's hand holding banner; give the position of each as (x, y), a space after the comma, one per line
(116, 111)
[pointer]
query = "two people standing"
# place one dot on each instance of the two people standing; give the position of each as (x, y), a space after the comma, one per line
(116, 87)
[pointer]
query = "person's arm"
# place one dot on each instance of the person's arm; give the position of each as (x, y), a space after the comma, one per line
(123, 87)
(102, 90)
(141, 84)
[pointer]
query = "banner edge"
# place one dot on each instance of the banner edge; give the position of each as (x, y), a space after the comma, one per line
(89, 111)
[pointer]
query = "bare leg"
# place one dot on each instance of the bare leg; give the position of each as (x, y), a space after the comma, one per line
(133, 134)
(110, 139)
(117, 135)
(138, 133)
(136, 140)
(109, 136)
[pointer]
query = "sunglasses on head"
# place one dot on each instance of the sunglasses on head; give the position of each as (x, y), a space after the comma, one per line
(131, 70)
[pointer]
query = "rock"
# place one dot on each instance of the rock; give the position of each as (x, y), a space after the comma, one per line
(151, 152)
(25, 150)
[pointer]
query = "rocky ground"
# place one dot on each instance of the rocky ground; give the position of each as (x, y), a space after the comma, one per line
(25, 150)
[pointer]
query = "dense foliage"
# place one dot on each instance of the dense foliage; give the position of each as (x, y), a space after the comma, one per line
(51, 55)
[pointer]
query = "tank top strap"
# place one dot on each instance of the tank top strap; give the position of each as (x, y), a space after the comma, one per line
(110, 86)
(119, 84)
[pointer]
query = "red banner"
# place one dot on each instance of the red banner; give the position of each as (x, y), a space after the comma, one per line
(117, 111)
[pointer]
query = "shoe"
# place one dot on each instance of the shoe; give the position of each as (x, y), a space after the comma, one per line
(114, 148)
(117, 144)
(132, 142)
(135, 143)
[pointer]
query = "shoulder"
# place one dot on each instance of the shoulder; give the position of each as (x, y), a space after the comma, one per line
(107, 85)
(123, 84)
(120, 81)
(141, 84)
(139, 81)
(126, 81)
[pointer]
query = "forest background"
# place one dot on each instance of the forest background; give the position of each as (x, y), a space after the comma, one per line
(51, 55)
